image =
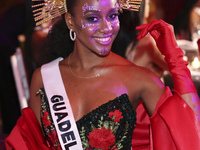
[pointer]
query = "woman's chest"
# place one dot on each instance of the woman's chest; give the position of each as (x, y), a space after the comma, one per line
(85, 96)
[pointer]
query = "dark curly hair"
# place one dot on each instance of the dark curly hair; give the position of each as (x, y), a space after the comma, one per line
(58, 42)
(127, 33)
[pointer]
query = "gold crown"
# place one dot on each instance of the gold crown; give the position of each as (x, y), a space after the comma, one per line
(46, 10)
(132, 5)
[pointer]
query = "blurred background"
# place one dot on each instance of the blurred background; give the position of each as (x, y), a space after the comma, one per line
(18, 31)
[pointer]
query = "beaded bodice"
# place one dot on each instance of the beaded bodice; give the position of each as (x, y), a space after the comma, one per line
(108, 127)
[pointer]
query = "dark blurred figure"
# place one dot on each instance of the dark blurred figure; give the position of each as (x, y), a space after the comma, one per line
(11, 26)
(129, 20)
(29, 28)
(143, 52)
(15, 21)
(36, 49)
(177, 13)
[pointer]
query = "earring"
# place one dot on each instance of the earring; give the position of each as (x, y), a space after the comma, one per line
(72, 38)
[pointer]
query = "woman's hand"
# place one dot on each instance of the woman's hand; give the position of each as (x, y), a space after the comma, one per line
(166, 42)
(163, 34)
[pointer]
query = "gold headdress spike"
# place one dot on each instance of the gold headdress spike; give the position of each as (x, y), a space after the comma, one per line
(132, 5)
(46, 10)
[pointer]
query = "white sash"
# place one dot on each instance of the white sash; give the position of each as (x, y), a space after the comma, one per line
(60, 107)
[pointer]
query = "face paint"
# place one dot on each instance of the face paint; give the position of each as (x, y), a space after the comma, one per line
(99, 24)
(84, 25)
(111, 23)
(117, 6)
(87, 7)
(103, 52)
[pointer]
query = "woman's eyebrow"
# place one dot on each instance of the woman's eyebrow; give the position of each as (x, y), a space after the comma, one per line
(113, 9)
(98, 11)
(93, 11)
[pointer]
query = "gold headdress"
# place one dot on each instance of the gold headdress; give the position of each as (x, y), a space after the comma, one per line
(132, 5)
(46, 10)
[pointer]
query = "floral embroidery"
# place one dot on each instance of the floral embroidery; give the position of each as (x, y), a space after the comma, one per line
(46, 119)
(114, 147)
(53, 139)
(101, 138)
(108, 127)
(47, 124)
(116, 115)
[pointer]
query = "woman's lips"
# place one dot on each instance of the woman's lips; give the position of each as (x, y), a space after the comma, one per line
(103, 40)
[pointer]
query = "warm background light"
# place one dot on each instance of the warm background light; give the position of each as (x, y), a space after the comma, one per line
(196, 63)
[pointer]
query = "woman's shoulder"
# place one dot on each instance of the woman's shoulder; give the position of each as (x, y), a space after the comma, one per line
(128, 69)
(37, 77)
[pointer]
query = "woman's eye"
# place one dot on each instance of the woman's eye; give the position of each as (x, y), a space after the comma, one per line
(113, 16)
(92, 19)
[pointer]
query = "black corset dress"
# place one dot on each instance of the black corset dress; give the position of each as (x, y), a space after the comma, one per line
(108, 127)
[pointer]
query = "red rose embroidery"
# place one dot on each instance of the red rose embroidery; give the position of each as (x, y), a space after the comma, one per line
(53, 140)
(114, 147)
(117, 115)
(45, 119)
(101, 138)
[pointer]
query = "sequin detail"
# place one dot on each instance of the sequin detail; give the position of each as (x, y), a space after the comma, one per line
(47, 123)
(108, 127)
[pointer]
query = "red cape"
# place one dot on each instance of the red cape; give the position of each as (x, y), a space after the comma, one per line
(27, 134)
(173, 126)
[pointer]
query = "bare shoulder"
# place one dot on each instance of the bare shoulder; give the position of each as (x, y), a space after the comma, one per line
(37, 78)
(131, 70)
(149, 87)
(142, 83)
(36, 84)
(145, 44)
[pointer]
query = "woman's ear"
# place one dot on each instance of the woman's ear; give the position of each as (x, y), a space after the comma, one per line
(69, 21)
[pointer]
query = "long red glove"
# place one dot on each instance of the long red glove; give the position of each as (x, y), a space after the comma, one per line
(163, 34)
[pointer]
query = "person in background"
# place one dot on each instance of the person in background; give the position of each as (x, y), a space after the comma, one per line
(177, 13)
(12, 25)
(144, 52)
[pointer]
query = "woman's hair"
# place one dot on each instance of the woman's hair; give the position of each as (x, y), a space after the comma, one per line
(182, 20)
(127, 33)
(58, 42)
(177, 13)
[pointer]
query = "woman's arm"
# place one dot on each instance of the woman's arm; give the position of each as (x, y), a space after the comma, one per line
(35, 99)
(165, 40)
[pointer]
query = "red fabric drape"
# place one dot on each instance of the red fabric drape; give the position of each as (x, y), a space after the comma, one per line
(27, 134)
(173, 126)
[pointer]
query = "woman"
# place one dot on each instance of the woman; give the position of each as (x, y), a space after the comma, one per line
(144, 52)
(103, 88)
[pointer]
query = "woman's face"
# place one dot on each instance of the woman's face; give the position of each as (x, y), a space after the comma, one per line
(96, 24)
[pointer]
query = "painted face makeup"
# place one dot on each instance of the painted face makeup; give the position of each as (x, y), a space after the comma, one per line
(88, 7)
(99, 24)
(85, 8)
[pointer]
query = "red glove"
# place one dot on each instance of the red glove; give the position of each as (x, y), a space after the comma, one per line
(163, 34)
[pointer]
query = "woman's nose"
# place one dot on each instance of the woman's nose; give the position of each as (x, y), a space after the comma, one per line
(105, 26)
